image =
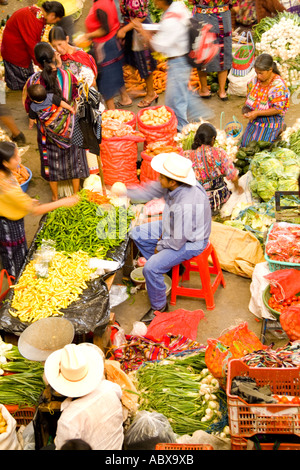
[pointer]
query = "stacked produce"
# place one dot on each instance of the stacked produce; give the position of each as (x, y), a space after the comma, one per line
(283, 243)
(245, 154)
(118, 114)
(183, 390)
(155, 148)
(115, 128)
(275, 170)
(280, 37)
(88, 227)
(38, 297)
(21, 174)
(155, 116)
(24, 383)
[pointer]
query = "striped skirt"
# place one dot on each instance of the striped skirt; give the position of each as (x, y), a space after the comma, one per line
(13, 245)
(16, 77)
(58, 164)
(221, 26)
(262, 128)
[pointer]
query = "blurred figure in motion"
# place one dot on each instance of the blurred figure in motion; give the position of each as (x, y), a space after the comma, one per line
(14, 205)
(7, 119)
(172, 40)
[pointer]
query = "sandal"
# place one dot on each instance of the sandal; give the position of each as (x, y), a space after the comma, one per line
(224, 98)
(206, 97)
(118, 104)
(146, 103)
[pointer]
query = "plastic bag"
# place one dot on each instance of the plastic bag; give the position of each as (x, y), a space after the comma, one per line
(285, 283)
(162, 132)
(119, 159)
(234, 344)
(147, 430)
(238, 85)
(9, 439)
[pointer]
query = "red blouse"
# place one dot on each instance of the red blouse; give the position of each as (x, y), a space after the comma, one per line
(92, 23)
(22, 31)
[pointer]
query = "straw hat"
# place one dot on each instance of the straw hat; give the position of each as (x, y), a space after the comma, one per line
(174, 166)
(75, 370)
(44, 336)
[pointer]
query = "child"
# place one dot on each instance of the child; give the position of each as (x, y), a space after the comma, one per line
(42, 100)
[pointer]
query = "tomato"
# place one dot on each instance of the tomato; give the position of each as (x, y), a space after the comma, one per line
(296, 400)
(284, 399)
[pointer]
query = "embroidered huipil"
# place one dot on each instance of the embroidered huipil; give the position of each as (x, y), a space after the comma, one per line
(275, 95)
(209, 163)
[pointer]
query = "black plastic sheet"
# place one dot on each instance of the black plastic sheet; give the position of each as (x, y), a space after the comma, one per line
(89, 313)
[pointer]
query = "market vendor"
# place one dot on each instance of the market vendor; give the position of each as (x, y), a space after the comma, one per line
(211, 164)
(92, 410)
(22, 31)
(266, 103)
(183, 231)
(14, 205)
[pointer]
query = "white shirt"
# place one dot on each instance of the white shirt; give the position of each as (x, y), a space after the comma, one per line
(96, 418)
(172, 38)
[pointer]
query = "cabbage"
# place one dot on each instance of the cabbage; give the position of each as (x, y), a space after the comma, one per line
(284, 154)
(271, 167)
(266, 187)
(291, 171)
(286, 184)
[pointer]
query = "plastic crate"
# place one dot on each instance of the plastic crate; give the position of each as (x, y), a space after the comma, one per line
(171, 446)
(277, 265)
(245, 444)
(246, 420)
(23, 416)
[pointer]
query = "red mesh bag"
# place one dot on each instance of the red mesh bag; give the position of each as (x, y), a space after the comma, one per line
(290, 322)
(153, 133)
(119, 157)
(284, 283)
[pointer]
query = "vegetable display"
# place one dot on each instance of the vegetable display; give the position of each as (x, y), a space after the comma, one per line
(183, 390)
(3, 424)
(245, 154)
(24, 385)
(155, 116)
(35, 297)
(118, 114)
(87, 226)
(21, 174)
(277, 170)
(280, 37)
(155, 148)
(283, 243)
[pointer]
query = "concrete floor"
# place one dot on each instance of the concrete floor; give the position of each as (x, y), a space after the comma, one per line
(231, 302)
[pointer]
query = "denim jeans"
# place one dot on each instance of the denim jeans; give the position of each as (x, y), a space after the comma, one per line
(146, 237)
(187, 106)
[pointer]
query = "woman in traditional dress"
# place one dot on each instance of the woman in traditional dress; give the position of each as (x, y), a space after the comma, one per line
(102, 25)
(217, 13)
(14, 205)
(266, 103)
(136, 54)
(60, 159)
(211, 165)
(76, 60)
(22, 31)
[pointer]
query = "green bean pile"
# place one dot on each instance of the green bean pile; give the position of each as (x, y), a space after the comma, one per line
(25, 385)
(87, 227)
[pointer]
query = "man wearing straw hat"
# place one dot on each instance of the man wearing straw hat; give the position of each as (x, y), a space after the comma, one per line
(93, 410)
(183, 231)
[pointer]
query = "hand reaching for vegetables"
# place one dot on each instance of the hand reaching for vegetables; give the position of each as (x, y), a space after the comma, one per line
(70, 201)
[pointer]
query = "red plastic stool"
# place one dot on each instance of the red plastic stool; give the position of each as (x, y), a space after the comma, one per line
(199, 263)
